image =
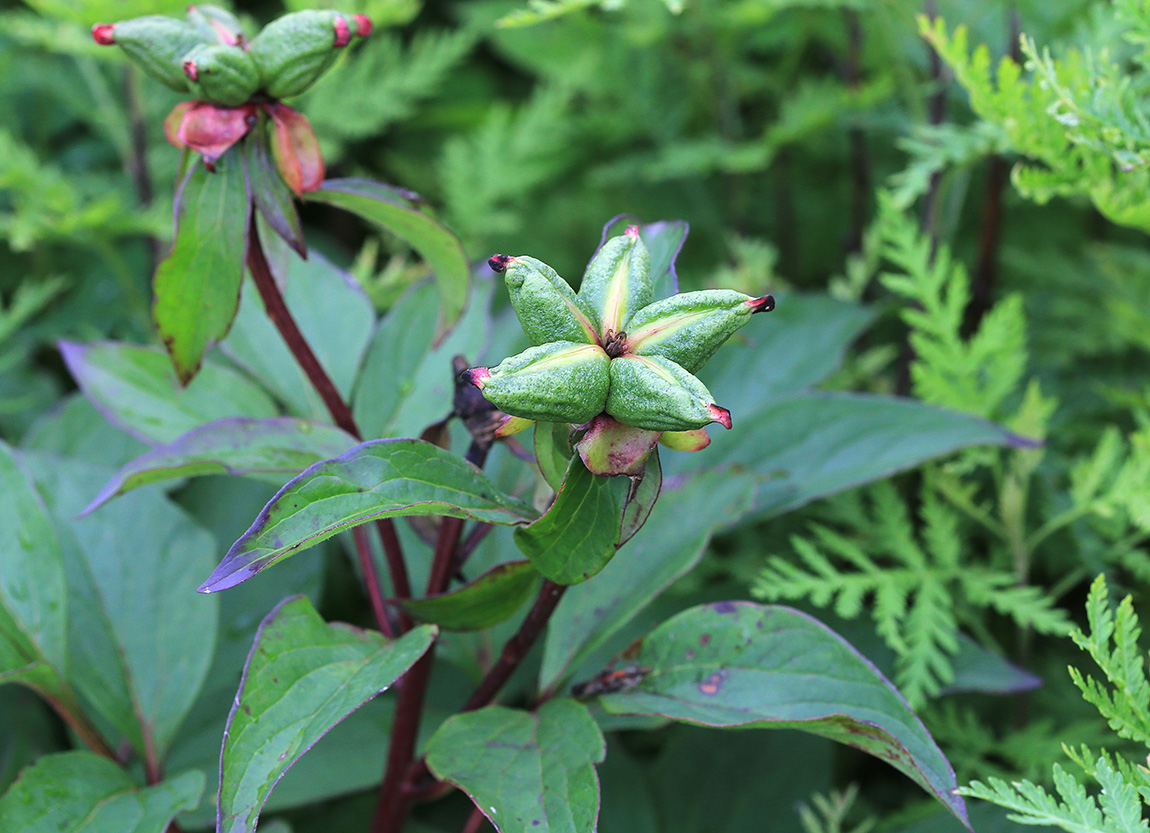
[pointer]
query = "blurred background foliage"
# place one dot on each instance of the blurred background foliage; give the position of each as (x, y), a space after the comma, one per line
(988, 201)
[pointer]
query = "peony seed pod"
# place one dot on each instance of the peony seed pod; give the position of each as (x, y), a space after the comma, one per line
(216, 24)
(654, 393)
(545, 304)
(156, 44)
(559, 382)
(221, 74)
(617, 282)
(296, 49)
(689, 328)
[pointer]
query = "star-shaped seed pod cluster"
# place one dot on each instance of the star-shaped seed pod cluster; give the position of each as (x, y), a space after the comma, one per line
(611, 356)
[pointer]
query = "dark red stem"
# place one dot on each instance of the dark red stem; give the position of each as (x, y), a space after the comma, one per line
(281, 316)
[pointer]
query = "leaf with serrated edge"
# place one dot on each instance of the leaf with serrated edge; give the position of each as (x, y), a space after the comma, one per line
(238, 445)
(742, 665)
(302, 677)
(79, 792)
(404, 214)
(481, 603)
(377, 479)
(526, 771)
(578, 535)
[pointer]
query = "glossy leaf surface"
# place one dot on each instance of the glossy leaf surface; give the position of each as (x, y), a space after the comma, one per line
(737, 664)
(578, 535)
(405, 214)
(79, 792)
(485, 601)
(378, 479)
(526, 771)
(302, 677)
(282, 445)
(198, 284)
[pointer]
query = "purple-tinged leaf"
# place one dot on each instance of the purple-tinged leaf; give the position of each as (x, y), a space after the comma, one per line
(528, 772)
(664, 240)
(641, 497)
(742, 665)
(80, 792)
(378, 479)
(197, 285)
(135, 388)
(483, 602)
(579, 534)
(303, 676)
(406, 214)
(270, 193)
(234, 445)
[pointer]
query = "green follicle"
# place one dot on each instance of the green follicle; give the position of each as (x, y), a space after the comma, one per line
(618, 281)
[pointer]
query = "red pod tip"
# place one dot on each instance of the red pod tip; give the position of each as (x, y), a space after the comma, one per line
(631, 231)
(191, 70)
(363, 25)
(720, 415)
(498, 263)
(477, 376)
(342, 33)
(764, 304)
(102, 34)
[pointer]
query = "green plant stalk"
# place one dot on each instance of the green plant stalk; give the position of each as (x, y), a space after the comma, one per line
(281, 316)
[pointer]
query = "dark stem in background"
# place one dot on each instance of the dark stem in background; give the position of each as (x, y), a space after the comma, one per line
(279, 314)
(475, 822)
(137, 161)
(859, 158)
(997, 175)
(936, 112)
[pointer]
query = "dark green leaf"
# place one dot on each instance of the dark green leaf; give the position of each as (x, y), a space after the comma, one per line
(488, 600)
(641, 497)
(682, 523)
(282, 445)
(807, 446)
(378, 479)
(578, 535)
(525, 771)
(139, 638)
(270, 193)
(737, 664)
(78, 792)
(33, 609)
(198, 284)
(405, 214)
(334, 315)
(303, 676)
(553, 451)
(134, 387)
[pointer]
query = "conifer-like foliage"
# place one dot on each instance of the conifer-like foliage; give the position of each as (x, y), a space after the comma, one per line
(1122, 696)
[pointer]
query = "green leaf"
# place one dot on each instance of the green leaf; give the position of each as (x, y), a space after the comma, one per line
(526, 771)
(407, 381)
(302, 677)
(282, 445)
(682, 523)
(664, 240)
(134, 387)
(334, 315)
(270, 193)
(810, 445)
(78, 792)
(407, 215)
(553, 451)
(481, 603)
(378, 479)
(198, 284)
(641, 497)
(578, 535)
(139, 638)
(33, 610)
(737, 664)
